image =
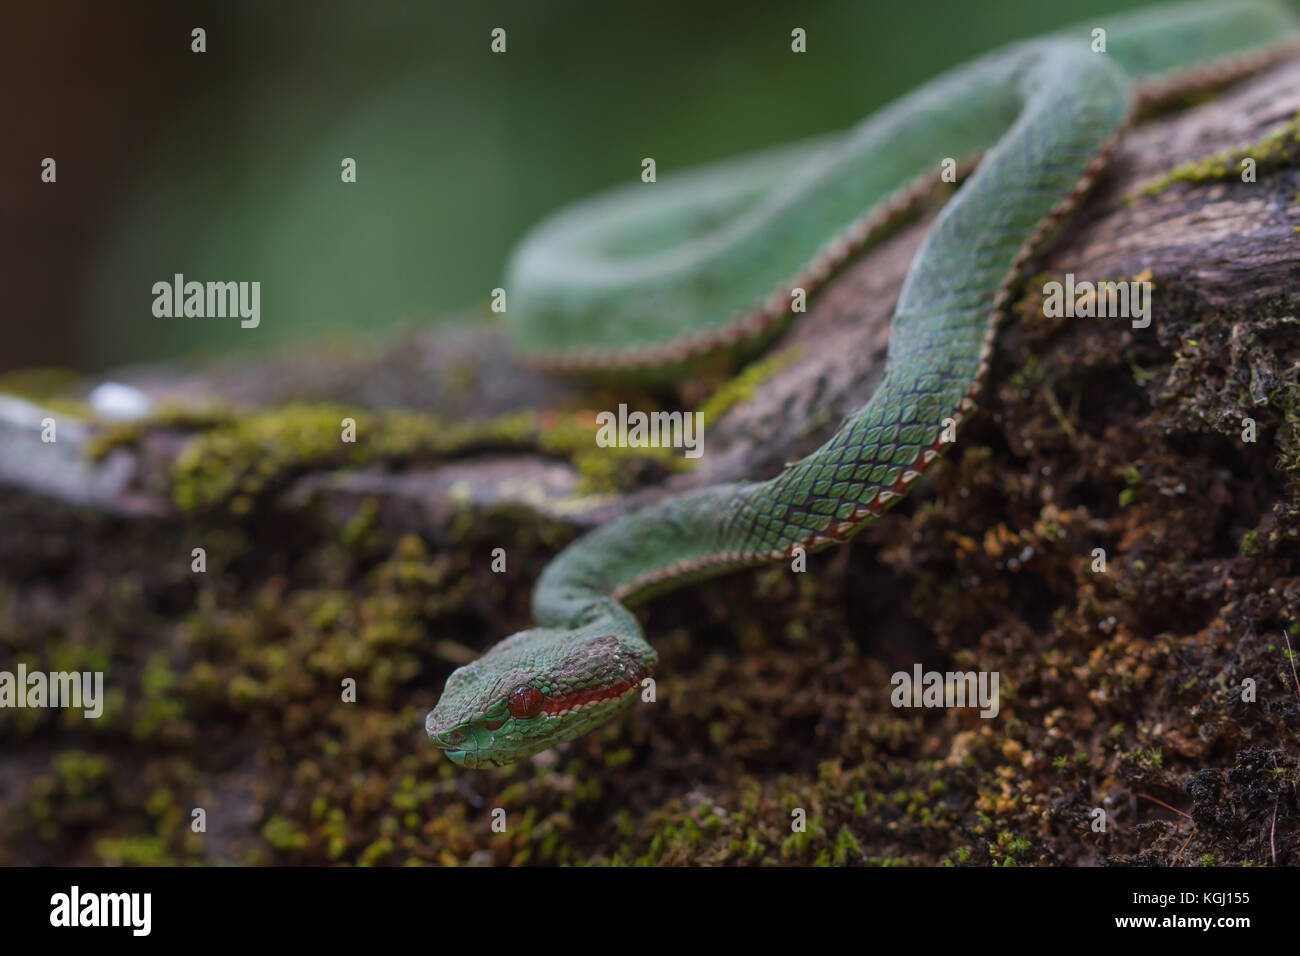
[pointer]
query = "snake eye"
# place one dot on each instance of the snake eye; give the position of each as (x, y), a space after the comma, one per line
(524, 701)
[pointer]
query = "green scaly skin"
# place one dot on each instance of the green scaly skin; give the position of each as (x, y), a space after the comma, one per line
(658, 274)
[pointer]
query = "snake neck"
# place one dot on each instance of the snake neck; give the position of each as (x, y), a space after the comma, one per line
(938, 358)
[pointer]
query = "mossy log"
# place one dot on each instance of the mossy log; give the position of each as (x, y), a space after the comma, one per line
(1123, 688)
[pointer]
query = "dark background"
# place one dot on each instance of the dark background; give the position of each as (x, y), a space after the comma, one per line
(225, 165)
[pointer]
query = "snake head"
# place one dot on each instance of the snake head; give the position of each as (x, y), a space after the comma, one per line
(536, 689)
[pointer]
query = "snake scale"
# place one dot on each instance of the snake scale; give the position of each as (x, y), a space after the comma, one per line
(657, 275)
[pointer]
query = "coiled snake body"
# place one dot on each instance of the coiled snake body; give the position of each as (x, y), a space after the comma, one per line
(649, 276)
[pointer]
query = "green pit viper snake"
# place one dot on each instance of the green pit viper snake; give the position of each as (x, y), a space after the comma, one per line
(656, 275)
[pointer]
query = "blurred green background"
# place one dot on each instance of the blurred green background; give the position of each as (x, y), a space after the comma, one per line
(225, 165)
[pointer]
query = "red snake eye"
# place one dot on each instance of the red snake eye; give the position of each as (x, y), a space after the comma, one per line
(524, 701)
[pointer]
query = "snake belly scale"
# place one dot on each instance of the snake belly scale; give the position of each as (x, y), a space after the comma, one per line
(626, 281)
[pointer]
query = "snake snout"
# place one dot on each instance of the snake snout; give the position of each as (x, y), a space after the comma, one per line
(448, 738)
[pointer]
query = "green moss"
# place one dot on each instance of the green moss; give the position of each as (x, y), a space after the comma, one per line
(1280, 148)
(78, 770)
(743, 386)
(283, 835)
(236, 461)
(170, 416)
(131, 851)
(846, 847)
(377, 852)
